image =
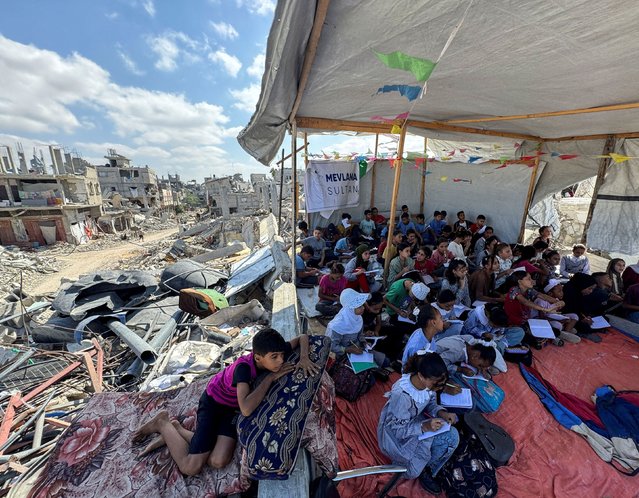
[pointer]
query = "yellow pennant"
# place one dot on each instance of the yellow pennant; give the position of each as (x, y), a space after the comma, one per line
(618, 158)
(396, 129)
(444, 178)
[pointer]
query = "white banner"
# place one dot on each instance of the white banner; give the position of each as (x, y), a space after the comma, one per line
(331, 185)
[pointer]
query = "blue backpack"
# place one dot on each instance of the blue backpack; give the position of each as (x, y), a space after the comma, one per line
(487, 396)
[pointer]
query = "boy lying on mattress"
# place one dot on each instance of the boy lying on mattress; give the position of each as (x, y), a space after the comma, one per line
(228, 393)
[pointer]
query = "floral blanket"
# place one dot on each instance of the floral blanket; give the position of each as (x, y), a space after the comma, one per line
(96, 458)
(272, 435)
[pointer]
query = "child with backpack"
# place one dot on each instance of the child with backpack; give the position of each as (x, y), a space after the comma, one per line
(403, 420)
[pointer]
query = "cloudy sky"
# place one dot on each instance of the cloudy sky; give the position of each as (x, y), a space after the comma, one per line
(167, 83)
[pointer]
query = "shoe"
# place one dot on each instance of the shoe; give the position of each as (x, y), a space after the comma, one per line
(428, 482)
(591, 337)
(558, 342)
(569, 337)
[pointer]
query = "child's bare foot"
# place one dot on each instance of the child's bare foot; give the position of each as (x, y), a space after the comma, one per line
(158, 442)
(151, 426)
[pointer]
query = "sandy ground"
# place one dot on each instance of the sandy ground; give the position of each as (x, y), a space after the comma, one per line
(78, 263)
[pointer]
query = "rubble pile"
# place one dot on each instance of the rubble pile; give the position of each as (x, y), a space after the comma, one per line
(13, 261)
(128, 329)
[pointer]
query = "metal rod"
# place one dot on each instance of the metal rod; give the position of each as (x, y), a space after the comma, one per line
(140, 348)
(279, 214)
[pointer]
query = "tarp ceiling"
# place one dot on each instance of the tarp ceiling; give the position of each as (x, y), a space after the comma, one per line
(509, 57)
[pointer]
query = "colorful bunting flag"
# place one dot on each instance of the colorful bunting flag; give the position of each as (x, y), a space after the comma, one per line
(618, 158)
(396, 129)
(457, 180)
(420, 68)
(363, 167)
(563, 157)
(410, 92)
(443, 178)
(472, 159)
(419, 161)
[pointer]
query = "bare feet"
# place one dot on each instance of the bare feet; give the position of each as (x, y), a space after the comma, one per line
(157, 442)
(151, 426)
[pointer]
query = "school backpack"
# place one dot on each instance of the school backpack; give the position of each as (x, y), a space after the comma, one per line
(496, 441)
(348, 384)
(518, 354)
(487, 396)
(469, 472)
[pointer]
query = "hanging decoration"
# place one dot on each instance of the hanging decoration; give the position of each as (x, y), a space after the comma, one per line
(408, 91)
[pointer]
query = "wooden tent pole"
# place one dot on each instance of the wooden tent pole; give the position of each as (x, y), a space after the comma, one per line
(568, 112)
(423, 173)
(308, 217)
(374, 172)
(634, 134)
(299, 149)
(398, 174)
(295, 191)
(309, 56)
(604, 163)
(279, 213)
(529, 196)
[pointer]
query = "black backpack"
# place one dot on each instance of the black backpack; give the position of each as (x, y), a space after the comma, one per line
(469, 472)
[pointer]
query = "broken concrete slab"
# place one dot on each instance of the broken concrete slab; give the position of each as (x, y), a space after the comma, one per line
(187, 273)
(222, 252)
(249, 270)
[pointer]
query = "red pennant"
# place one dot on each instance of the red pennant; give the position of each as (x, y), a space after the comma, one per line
(505, 165)
(452, 153)
(563, 157)
(419, 161)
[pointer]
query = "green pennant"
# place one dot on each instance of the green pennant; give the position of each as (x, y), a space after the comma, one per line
(363, 167)
(420, 68)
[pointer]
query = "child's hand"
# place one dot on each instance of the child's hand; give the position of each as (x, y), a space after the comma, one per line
(466, 371)
(286, 368)
(454, 388)
(487, 337)
(451, 418)
(307, 365)
(353, 350)
(433, 424)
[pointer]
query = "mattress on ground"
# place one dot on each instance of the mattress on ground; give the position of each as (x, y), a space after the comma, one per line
(548, 460)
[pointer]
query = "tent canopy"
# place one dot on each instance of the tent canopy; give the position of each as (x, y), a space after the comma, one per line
(561, 73)
(508, 58)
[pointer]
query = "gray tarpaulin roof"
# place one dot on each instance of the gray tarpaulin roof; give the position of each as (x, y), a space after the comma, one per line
(509, 57)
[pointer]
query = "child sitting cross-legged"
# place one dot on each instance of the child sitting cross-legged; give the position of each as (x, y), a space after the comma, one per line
(520, 301)
(565, 322)
(410, 411)
(429, 324)
(445, 304)
(330, 288)
(228, 393)
(489, 322)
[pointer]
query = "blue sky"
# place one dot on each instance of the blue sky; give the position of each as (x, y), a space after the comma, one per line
(167, 83)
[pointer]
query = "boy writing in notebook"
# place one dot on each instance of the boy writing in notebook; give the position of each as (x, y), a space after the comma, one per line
(229, 392)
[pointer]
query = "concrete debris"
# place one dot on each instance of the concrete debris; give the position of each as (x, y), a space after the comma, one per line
(121, 329)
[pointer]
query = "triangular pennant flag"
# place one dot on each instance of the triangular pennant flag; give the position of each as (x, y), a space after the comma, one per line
(554, 154)
(457, 180)
(403, 115)
(461, 151)
(472, 159)
(419, 161)
(410, 92)
(363, 167)
(445, 158)
(420, 68)
(563, 157)
(443, 178)
(528, 158)
(428, 173)
(502, 160)
(396, 129)
(505, 165)
(618, 158)
(452, 152)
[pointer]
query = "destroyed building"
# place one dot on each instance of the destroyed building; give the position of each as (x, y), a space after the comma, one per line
(230, 195)
(137, 185)
(41, 206)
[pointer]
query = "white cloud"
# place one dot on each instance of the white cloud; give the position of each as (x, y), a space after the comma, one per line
(230, 63)
(164, 130)
(246, 98)
(112, 16)
(260, 7)
(149, 6)
(129, 63)
(256, 69)
(225, 30)
(174, 45)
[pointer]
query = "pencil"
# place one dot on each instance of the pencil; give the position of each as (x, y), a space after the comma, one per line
(451, 385)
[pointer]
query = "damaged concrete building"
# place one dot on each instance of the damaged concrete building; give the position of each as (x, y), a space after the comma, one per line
(230, 195)
(37, 208)
(136, 185)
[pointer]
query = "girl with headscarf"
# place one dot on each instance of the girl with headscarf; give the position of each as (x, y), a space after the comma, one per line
(346, 330)
(579, 286)
(356, 271)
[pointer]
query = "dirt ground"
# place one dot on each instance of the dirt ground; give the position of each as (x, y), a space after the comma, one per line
(74, 264)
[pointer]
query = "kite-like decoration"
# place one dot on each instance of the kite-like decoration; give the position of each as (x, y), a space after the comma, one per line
(421, 69)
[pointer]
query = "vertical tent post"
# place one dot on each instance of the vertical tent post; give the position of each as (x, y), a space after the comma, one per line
(374, 172)
(308, 216)
(423, 173)
(604, 163)
(531, 190)
(279, 213)
(398, 174)
(295, 191)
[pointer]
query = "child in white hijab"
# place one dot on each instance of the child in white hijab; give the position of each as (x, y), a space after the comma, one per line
(346, 330)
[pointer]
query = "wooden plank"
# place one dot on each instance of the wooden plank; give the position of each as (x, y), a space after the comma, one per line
(531, 190)
(633, 134)
(436, 125)
(7, 420)
(308, 216)
(568, 112)
(398, 173)
(309, 55)
(93, 374)
(374, 172)
(604, 163)
(423, 173)
(311, 123)
(299, 149)
(294, 192)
